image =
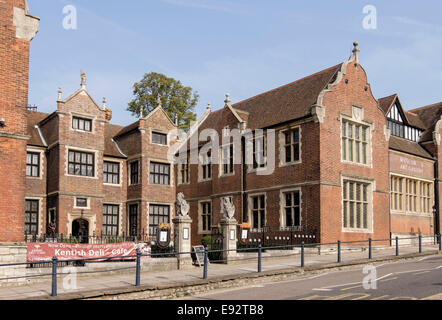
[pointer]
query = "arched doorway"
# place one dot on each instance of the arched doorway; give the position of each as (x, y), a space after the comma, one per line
(80, 230)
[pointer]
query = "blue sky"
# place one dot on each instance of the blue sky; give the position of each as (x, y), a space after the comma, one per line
(243, 47)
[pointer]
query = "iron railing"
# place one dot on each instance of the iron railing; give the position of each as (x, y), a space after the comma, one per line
(369, 243)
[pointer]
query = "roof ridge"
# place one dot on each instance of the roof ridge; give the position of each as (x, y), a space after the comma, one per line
(392, 95)
(286, 85)
(428, 106)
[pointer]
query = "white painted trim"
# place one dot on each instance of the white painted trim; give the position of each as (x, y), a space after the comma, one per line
(282, 222)
(281, 141)
(41, 162)
(370, 219)
(250, 206)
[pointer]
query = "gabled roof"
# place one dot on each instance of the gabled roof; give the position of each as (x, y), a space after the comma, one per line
(33, 118)
(429, 115)
(110, 146)
(288, 102)
(129, 128)
(412, 119)
(386, 102)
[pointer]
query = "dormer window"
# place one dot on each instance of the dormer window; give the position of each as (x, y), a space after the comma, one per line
(397, 127)
(82, 124)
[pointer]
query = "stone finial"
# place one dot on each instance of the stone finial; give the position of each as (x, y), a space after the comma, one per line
(104, 102)
(227, 101)
(83, 80)
(59, 94)
(209, 107)
(108, 114)
(356, 51)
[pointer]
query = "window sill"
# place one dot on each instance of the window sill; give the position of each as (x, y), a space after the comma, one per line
(112, 184)
(287, 164)
(160, 144)
(227, 175)
(34, 178)
(356, 163)
(355, 230)
(410, 213)
(205, 180)
(75, 176)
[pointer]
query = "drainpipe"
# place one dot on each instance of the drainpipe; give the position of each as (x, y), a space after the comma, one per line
(244, 176)
(436, 197)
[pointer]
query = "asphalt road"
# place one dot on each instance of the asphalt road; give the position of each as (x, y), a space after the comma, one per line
(402, 280)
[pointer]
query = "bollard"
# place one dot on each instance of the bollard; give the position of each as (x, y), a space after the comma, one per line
(369, 248)
(440, 242)
(54, 277)
(420, 243)
(259, 259)
(206, 253)
(397, 246)
(339, 251)
(302, 254)
(137, 277)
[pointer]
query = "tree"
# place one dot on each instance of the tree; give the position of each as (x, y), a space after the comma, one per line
(156, 89)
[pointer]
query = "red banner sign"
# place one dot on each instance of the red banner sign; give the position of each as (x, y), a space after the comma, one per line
(67, 251)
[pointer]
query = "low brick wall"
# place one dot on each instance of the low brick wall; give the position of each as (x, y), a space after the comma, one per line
(22, 275)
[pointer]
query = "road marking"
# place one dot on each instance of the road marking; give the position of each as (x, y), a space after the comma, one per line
(389, 279)
(403, 298)
(379, 298)
(321, 289)
(422, 272)
(347, 295)
(344, 289)
(433, 297)
(313, 297)
(362, 297)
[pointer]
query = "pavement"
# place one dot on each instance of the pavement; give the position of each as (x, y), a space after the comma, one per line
(418, 279)
(121, 285)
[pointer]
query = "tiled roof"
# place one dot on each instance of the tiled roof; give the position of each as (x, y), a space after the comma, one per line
(412, 118)
(386, 102)
(409, 147)
(429, 115)
(110, 148)
(34, 117)
(128, 128)
(289, 102)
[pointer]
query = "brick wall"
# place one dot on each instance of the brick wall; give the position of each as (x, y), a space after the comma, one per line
(14, 66)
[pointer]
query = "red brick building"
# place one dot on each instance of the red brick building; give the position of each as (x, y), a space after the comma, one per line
(18, 28)
(87, 176)
(346, 166)
(339, 163)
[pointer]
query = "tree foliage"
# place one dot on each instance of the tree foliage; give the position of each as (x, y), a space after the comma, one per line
(177, 100)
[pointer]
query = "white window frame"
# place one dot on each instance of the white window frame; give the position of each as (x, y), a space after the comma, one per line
(282, 217)
(200, 216)
(357, 118)
(250, 209)
(282, 145)
(370, 190)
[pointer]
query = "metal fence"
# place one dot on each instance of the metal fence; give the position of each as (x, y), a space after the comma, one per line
(259, 249)
(94, 239)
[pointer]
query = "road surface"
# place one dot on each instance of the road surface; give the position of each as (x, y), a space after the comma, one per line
(402, 280)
